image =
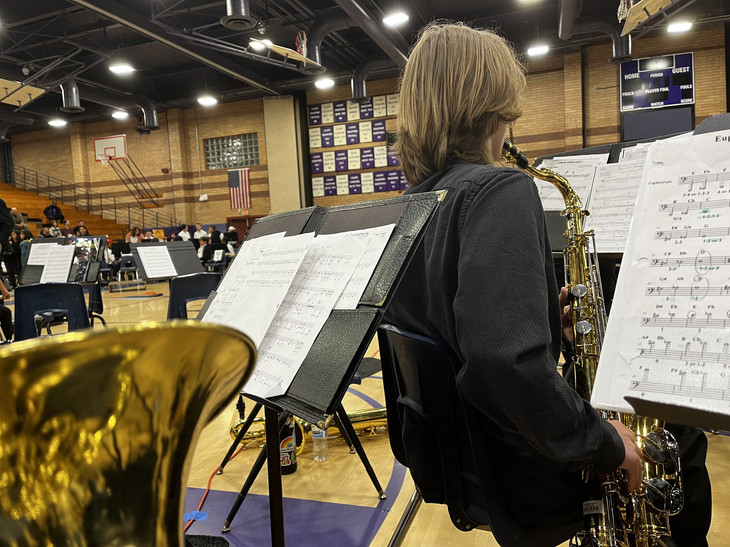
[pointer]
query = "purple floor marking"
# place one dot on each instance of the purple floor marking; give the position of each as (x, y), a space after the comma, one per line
(306, 522)
(369, 400)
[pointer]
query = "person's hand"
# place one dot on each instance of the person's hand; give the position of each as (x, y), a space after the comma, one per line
(632, 463)
(567, 317)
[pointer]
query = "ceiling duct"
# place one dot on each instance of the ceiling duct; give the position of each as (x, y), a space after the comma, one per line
(147, 107)
(606, 25)
(4, 126)
(359, 77)
(71, 99)
(238, 15)
(321, 28)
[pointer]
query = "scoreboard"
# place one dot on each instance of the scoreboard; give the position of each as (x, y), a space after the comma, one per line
(656, 82)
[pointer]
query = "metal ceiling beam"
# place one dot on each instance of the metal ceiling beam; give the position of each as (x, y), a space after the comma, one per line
(131, 19)
(373, 29)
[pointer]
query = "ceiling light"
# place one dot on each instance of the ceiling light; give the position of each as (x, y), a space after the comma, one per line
(121, 68)
(537, 51)
(207, 100)
(56, 122)
(679, 26)
(395, 19)
(120, 114)
(324, 83)
(260, 45)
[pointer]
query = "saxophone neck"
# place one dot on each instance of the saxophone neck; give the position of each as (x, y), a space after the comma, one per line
(514, 155)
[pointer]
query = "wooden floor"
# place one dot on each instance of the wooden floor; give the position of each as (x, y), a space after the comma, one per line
(342, 479)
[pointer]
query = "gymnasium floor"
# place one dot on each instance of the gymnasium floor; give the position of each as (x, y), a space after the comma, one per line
(333, 502)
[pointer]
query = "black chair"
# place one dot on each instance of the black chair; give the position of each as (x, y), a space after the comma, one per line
(429, 428)
(127, 264)
(45, 304)
(186, 288)
(96, 304)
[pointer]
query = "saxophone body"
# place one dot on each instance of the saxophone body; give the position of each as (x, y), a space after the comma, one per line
(613, 517)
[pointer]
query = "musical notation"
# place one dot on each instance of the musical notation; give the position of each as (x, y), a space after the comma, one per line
(698, 290)
(688, 206)
(702, 179)
(691, 322)
(675, 284)
(666, 235)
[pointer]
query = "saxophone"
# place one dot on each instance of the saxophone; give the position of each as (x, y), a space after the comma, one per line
(613, 517)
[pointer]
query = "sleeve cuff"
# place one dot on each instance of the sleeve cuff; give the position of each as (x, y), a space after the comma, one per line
(610, 453)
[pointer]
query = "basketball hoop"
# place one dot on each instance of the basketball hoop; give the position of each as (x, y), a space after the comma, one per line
(103, 159)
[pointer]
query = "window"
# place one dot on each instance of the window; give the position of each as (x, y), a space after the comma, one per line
(231, 152)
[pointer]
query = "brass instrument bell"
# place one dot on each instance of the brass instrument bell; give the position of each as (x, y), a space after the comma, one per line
(96, 427)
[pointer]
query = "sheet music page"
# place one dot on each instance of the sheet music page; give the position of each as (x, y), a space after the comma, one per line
(38, 253)
(578, 170)
(668, 338)
(376, 240)
(634, 153)
(256, 283)
(58, 263)
(612, 204)
(326, 269)
(156, 261)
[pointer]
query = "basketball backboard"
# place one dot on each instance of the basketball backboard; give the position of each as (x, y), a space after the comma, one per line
(110, 148)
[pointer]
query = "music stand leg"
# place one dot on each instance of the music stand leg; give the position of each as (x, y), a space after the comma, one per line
(344, 434)
(273, 465)
(255, 470)
(406, 520)
(244, 429)
(342, 415)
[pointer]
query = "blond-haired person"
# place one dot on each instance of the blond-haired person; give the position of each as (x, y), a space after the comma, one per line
(482, 281)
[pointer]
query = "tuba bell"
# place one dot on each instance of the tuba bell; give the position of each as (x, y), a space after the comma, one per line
(95, 429)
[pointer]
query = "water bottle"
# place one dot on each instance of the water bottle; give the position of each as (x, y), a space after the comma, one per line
(288, 448)
(320, 449)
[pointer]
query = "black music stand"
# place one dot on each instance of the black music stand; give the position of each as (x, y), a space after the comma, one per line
(318, 388)
(182, 254)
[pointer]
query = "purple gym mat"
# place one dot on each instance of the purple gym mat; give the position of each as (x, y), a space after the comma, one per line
(306, 522)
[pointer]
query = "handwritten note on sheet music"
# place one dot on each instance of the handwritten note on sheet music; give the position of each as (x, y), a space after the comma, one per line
(256, 283)
(578, 170)
(612, 204)
(668, 338)
(58, 263)
(376, 240)
(156, 261)
(327, 267)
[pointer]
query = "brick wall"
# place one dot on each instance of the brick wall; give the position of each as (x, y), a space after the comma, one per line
(554, 121)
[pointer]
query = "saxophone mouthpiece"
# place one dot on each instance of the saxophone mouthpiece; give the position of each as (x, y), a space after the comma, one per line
(515, 155)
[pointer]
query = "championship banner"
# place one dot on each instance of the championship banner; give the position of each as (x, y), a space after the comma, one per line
(239, 188)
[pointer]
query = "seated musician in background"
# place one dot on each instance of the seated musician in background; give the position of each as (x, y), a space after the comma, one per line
(205, 251)
(482, 281)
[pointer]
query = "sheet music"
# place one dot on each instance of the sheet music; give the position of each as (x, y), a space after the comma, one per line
(668, 338)
(376, 241)
(58, 263)
(578, 170)
(256, 283)
(612, 204)
(156, 261)
(38, 253)
(323, 274)
(633, 153)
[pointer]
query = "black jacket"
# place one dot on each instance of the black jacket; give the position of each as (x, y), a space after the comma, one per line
(482, 281)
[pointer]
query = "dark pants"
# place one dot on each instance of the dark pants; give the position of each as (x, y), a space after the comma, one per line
(689, 528)
(6, 322)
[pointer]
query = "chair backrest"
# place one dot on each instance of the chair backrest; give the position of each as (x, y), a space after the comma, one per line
(186, 288)
(31, 300)
(429, 427)
(127, 263)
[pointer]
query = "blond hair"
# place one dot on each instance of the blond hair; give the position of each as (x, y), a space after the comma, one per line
(458, 84)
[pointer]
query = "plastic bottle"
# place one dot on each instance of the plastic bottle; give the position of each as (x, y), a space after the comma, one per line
(288, 448)
(320, 450)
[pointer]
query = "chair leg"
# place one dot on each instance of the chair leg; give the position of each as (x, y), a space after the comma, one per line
(406, 520)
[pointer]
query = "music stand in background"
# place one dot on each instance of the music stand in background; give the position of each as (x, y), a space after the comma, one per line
(182, 255)
(317, 391)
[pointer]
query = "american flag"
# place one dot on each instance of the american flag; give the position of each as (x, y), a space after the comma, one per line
(239, 188)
